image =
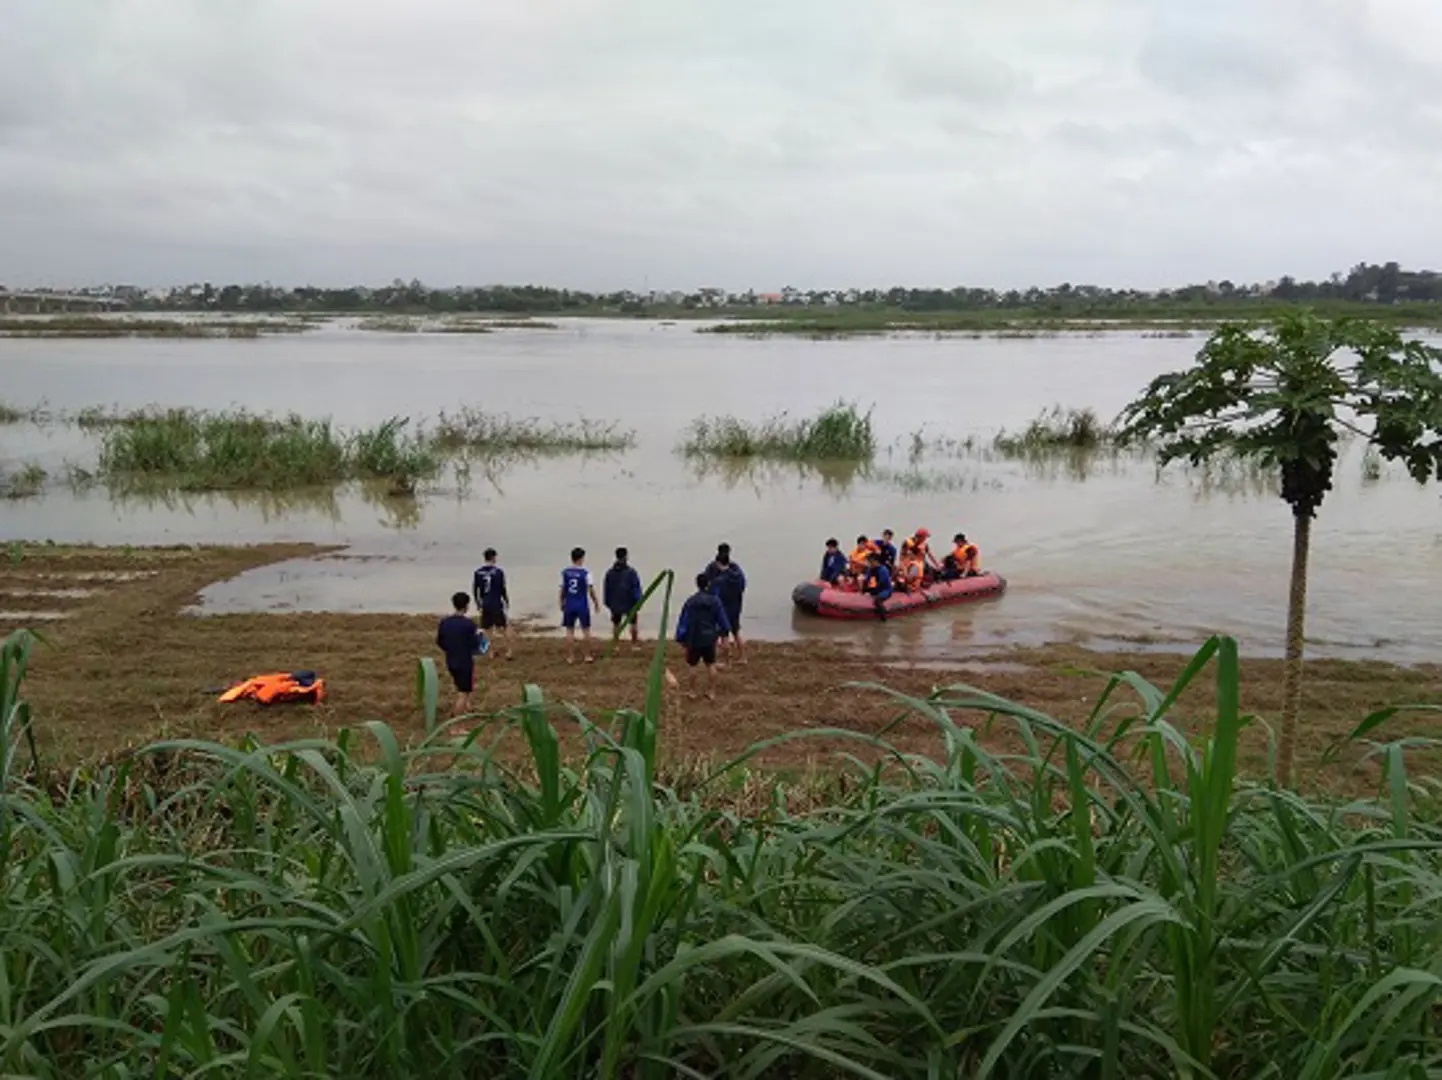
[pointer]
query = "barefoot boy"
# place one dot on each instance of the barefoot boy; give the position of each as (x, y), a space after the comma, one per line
(578, 599)
(458, 638)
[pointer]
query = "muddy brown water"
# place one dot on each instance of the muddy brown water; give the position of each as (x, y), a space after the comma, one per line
(1107, 556)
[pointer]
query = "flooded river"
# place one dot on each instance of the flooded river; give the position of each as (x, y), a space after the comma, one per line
(1109, 558)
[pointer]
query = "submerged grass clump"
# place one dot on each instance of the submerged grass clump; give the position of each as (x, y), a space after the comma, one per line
(915, 480)
(521, 324)
(477, 431)
(1058, 430)
(357, 907)
(391, 324)
(837, 478)
(391, 452)
(184, 449)
(839, 433)
(199, 451)
(25, 483)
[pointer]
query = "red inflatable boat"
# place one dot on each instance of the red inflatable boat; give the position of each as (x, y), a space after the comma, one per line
(819, 598)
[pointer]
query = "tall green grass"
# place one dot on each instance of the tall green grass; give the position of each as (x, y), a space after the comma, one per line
(391, 452)
(841, 432)
(1057, 430)
(473, 429)
(216, 451)
(1112, 901)
(25, 482)
(391, 324)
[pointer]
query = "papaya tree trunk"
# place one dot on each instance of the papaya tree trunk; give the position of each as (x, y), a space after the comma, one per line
(1296, 639)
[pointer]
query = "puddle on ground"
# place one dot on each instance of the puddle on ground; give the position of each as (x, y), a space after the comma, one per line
(106, 576)
(51, 594)
(974, 667)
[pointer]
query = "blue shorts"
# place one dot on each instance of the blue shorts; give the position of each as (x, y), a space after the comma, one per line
(570, 616)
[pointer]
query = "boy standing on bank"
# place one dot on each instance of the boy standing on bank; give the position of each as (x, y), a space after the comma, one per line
(702, 623)
(622, 592)
(492, 600)
(578, 599)
(458, 638)
(728, 581)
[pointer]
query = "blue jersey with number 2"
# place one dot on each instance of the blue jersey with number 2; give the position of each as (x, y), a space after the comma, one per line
(575, 581)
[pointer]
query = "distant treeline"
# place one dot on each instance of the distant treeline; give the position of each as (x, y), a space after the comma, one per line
(1364, 284)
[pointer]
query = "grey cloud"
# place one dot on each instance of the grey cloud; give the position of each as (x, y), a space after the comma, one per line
(601, 143)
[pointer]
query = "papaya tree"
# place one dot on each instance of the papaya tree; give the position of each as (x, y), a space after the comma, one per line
(1286, 396)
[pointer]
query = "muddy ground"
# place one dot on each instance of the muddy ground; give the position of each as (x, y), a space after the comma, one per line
(122, 664)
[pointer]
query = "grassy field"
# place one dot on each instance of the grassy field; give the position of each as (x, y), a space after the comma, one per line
(839, 433)
(982, 889)
(450, 324)
(95, 326)
(1158, 319)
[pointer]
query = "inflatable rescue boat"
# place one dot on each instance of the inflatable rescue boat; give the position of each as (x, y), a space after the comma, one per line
(819, 598)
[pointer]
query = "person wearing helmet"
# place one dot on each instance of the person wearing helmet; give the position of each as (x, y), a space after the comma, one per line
(910, 566)
(921, 548)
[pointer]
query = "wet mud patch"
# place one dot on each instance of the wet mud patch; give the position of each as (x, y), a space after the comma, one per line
(127, 665)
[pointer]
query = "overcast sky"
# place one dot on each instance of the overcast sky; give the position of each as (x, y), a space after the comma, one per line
(681, 143)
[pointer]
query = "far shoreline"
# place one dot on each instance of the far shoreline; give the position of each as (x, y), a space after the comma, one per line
(751, 322)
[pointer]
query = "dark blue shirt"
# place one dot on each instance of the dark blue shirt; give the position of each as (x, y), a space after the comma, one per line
(888, 552)
(621, 590)
(878, 581)
(728, 583)
(833, 565)
(459, 639)
(489, 588)
(703, 619)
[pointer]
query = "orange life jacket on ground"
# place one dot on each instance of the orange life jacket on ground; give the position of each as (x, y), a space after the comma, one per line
(277, 688)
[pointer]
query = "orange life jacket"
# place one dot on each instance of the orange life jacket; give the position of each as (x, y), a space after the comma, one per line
(277, 688)
(858, 557)
(967, 556)
(910, 569)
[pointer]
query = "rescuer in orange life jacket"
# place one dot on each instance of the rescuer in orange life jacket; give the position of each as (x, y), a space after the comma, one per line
(910, 567)
(921, 542)
(860, 555)
(964, 560)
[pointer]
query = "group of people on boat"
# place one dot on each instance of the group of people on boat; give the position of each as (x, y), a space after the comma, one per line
(880, 568)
